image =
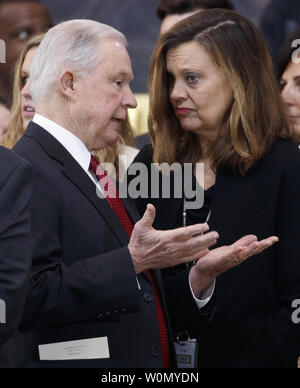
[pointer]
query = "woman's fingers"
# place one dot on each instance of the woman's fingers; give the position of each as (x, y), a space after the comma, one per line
(245, 241)
(257, 247)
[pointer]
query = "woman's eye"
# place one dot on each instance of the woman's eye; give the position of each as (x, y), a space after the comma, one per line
(192, 78)
(282, 85)
(25, 80)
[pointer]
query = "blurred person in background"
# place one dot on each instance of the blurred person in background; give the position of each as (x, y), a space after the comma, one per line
(15, 353)
(280, 18)
(20, 20)
(15, 247)
(170, 12)
(288, 74)
(22, 110)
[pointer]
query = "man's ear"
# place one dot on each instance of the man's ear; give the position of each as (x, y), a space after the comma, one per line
(66, 83)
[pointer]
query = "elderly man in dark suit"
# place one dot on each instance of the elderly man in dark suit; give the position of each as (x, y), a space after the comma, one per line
(15, 253)
(96, 297)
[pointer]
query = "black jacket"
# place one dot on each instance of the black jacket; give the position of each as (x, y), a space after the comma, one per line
(15, 243)
(252, 322)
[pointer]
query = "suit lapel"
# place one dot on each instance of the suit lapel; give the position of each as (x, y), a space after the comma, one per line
(131, 210)
(81, 180)
(73, 171)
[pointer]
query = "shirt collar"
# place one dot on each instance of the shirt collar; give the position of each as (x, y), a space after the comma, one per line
(71, 142)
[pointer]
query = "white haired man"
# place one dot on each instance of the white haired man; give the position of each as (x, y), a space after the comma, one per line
(96, 297)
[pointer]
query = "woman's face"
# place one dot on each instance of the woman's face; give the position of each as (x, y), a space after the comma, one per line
(28, 109)
(199, 92)
(290, 83)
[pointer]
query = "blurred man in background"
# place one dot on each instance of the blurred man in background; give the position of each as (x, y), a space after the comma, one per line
(280, 19)
(19, 21)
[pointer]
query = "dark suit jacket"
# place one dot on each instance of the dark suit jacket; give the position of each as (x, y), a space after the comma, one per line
(83, 283)
(252, 322)
(15, 253)
(142, 140)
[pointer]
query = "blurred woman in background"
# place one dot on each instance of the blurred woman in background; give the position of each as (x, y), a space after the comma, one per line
(288, 73)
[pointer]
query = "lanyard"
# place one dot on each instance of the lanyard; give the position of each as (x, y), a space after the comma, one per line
(184, 216)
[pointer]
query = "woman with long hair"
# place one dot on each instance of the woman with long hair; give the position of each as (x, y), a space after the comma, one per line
(288, 73)
(214, 101)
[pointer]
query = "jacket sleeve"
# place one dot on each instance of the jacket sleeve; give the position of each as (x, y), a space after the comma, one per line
(15, 247)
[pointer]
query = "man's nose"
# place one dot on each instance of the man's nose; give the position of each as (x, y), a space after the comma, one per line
(130, 100)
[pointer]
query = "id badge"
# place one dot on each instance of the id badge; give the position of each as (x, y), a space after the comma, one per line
(186, 354)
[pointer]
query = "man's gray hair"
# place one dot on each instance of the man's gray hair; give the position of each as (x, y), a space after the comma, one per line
(73, 44)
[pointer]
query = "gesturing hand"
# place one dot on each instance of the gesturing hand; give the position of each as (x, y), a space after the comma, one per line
(153, 249)
(220, 260)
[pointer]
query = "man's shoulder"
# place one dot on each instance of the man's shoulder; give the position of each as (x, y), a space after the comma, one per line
(9, 162)
(9, 157)
(39, 147)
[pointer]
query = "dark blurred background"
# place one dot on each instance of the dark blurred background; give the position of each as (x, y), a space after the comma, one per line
(136, 18)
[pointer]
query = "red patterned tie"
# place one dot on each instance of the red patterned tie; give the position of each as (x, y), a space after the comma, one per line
(118, 207)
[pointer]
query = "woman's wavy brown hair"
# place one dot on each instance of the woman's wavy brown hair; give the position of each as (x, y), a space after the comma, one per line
(257, 116)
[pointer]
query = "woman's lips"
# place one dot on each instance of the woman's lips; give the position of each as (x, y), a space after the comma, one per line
(28, 111)
(183, 111)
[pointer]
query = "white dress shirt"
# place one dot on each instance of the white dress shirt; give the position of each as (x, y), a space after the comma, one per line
(83, 156)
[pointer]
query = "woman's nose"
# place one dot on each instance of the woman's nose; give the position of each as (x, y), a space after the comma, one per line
(26, 90)
(288, 95)
(178, 91)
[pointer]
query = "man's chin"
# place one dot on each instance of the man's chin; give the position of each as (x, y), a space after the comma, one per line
(108, 143)
(113, 139)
